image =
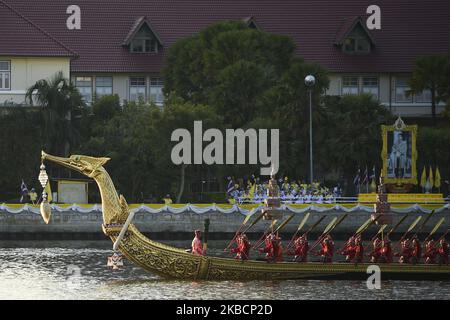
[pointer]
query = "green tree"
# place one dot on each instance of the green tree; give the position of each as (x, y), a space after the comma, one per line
(237, 71)
(352, 135)
(432, 73)
(59, 99)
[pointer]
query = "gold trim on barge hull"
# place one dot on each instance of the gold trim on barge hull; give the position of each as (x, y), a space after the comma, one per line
(171, 262)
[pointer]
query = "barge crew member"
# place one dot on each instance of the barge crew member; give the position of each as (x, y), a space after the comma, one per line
(442, 252)
(301, 248)
(430, 252)
(242, 249)
(197, 246)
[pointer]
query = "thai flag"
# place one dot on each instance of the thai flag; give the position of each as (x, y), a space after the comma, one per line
(23, 191)
(230, 186)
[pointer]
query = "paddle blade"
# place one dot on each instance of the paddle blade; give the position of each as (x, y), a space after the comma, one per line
(274, 222)
(398, 224)
(426, 220)
(315, 224)
(305, 218)
(249, 215)
(382, 229)
(338, 222)
(436, 227)
(330, 225)
(413, 225)
(281, 226)
(364, 226)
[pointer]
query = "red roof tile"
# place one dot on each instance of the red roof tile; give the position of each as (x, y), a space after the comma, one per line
(21, 37)
(409, 28)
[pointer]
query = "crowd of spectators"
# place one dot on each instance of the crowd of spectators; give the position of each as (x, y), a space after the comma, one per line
(254, 190)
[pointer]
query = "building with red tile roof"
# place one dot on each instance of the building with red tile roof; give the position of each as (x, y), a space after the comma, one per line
(111, 54)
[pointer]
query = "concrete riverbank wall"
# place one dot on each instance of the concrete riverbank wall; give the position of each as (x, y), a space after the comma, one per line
(166, 225)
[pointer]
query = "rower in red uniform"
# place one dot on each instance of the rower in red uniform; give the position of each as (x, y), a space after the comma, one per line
(268, 247)
(430, 252)
(416, 253)
(406, 251)
(277, 248)
(197, 247)
(376, 251)
(242, 249)
(327, 250)
(349, 249)
(386, 250)
(443, 252)
(301, 248)
(358, 250)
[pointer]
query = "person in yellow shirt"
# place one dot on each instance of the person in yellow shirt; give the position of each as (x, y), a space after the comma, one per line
(167, 200)
(33, 196)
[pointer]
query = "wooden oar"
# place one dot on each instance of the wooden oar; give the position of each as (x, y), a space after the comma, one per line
(381, 230)
(247, 218)
(394, 228)
(334, 226)
(337, 223)
(324, 233)
(436, 227)
(361, 229)
(411, 227)
(424, 223)
(261, 239)
(443, 236)
(314, 225)
(205, 234)
(300, 226)
(278, 229)
(281, 226)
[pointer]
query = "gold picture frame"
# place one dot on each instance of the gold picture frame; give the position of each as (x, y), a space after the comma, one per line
(393, 173)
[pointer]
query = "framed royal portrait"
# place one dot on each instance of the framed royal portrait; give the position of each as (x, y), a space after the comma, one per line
(399, 153)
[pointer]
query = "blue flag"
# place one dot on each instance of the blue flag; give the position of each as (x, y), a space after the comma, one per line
(23, 191)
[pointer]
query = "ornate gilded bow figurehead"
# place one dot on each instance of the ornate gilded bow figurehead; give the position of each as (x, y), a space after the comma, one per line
(89, 166)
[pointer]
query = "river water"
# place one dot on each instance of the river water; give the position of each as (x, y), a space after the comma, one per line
(77, 270)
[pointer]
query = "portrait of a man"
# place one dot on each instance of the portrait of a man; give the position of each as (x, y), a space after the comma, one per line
(399, 154)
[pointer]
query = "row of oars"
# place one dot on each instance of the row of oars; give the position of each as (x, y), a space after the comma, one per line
(334, 223)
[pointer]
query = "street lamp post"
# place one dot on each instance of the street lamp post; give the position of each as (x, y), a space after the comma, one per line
(310, 81)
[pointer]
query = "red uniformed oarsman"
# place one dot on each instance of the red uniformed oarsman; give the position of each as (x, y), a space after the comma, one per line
(443, 252)
(406, 251)
(301, 248)
(327, 250)
(376, 251)
(358, 250)
(386, 250)
(277, 248)
(416, 250)
(349, 249)
(430, 252)
(243, 247)
(268, 247)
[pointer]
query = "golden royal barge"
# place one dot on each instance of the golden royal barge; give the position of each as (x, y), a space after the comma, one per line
(171, 262)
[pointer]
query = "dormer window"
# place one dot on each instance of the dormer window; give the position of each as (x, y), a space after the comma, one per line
(144, 41)
(356, 41)
(251, 23)
(142, 38)
(354, 37)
